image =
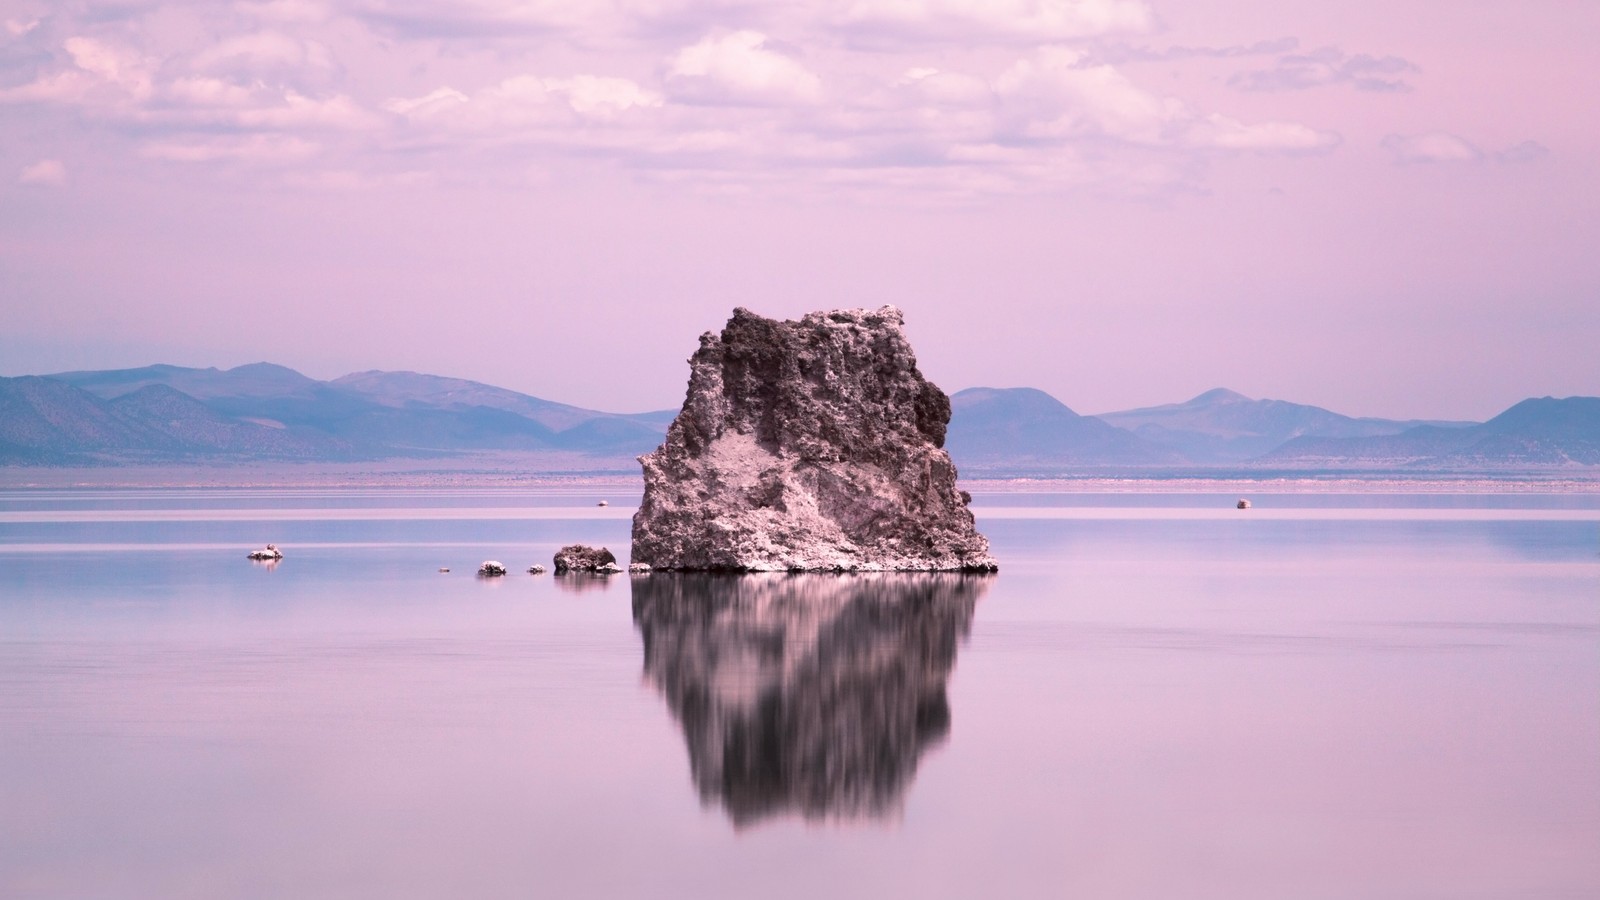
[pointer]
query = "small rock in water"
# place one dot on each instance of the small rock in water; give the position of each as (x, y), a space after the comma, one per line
(638, 568)
(443, 569)
(536, 569)
(609, 568)
(814, 445)
(603, 503)
(491, 568)
(579, 558)
(1244, 504)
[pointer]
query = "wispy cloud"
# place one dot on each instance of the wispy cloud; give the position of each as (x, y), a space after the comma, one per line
(1329, 66)
(48, 172)
(1442, 147)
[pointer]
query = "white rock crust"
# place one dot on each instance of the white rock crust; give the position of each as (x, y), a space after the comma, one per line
(807, 446)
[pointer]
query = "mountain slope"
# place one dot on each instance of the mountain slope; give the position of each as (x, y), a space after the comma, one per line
(268, 411)
(1221, 426)
(1537, 432)
(1025, 429)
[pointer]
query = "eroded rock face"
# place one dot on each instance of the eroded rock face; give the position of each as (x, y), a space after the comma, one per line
(807, 446)
(579, 558)
(807, 695)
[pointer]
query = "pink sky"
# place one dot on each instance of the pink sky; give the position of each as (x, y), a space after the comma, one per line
(1382, 208)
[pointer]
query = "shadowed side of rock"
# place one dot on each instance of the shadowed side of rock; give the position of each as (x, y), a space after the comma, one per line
(813, 695)
(806, 446)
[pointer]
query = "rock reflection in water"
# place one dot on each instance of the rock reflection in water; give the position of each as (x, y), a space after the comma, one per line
(807, 694)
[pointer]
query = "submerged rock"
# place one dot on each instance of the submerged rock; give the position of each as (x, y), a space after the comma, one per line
(579, 558)
(807, 446)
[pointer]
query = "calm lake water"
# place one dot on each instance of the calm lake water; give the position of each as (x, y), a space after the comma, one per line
(1158, 696)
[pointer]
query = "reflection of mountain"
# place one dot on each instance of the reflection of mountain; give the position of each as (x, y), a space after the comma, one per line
(806, 694)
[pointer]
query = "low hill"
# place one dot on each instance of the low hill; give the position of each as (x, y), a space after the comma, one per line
(266, 411)
(1537, 432)
(1221, 426)
(1023, 430)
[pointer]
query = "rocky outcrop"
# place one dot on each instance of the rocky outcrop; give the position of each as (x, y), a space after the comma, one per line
(807, 446)
(807, 695)
(579, 558)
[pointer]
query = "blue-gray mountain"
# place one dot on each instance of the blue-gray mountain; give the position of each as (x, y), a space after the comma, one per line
(1537, 432)
(1221, 426)
(268, 412)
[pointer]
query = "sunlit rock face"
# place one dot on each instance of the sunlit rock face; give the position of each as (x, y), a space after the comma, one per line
(809, 695)
(807, 446)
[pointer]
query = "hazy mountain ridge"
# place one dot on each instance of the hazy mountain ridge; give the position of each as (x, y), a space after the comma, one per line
(1221, 426)
(268, 412)
(1025, 428)
(1543, 431)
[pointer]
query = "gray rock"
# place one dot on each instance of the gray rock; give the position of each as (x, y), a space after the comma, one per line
(536, 569)
(491, 568)
(638, 568)
(609, 568)
(807, 446)
(578, 558)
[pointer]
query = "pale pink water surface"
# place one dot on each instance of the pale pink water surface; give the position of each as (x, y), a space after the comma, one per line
(1374, 697)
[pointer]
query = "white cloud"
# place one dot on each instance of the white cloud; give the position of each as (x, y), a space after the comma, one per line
(947, 89)
(739, 68)
(111, 64)
(430, 104)
(1055, 94)
(1228, 133)
(101, 73)
(18, 27)
(1444, 147)
(967, 20)
(49, 172)
(528, 101)
(598, 96)
(1433, 147)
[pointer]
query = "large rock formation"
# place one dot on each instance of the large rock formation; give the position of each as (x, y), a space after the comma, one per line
(808, 695)
(810, 445)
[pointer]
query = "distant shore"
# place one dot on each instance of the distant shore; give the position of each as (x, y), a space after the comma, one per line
(510, 471)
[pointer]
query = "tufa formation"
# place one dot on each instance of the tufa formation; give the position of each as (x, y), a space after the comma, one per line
(807, 446)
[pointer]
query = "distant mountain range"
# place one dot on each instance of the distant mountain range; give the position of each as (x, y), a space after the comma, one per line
(265, 412)
(268, 412)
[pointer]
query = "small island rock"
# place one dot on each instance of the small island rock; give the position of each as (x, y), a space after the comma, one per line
(579, 558)
(813, 445)
(491, 568)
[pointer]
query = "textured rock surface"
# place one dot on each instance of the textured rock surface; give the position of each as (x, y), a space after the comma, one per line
(578, 558)
(809, 445)
(808, 695)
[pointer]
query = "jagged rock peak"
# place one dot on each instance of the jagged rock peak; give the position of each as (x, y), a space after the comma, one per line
(806, 446)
